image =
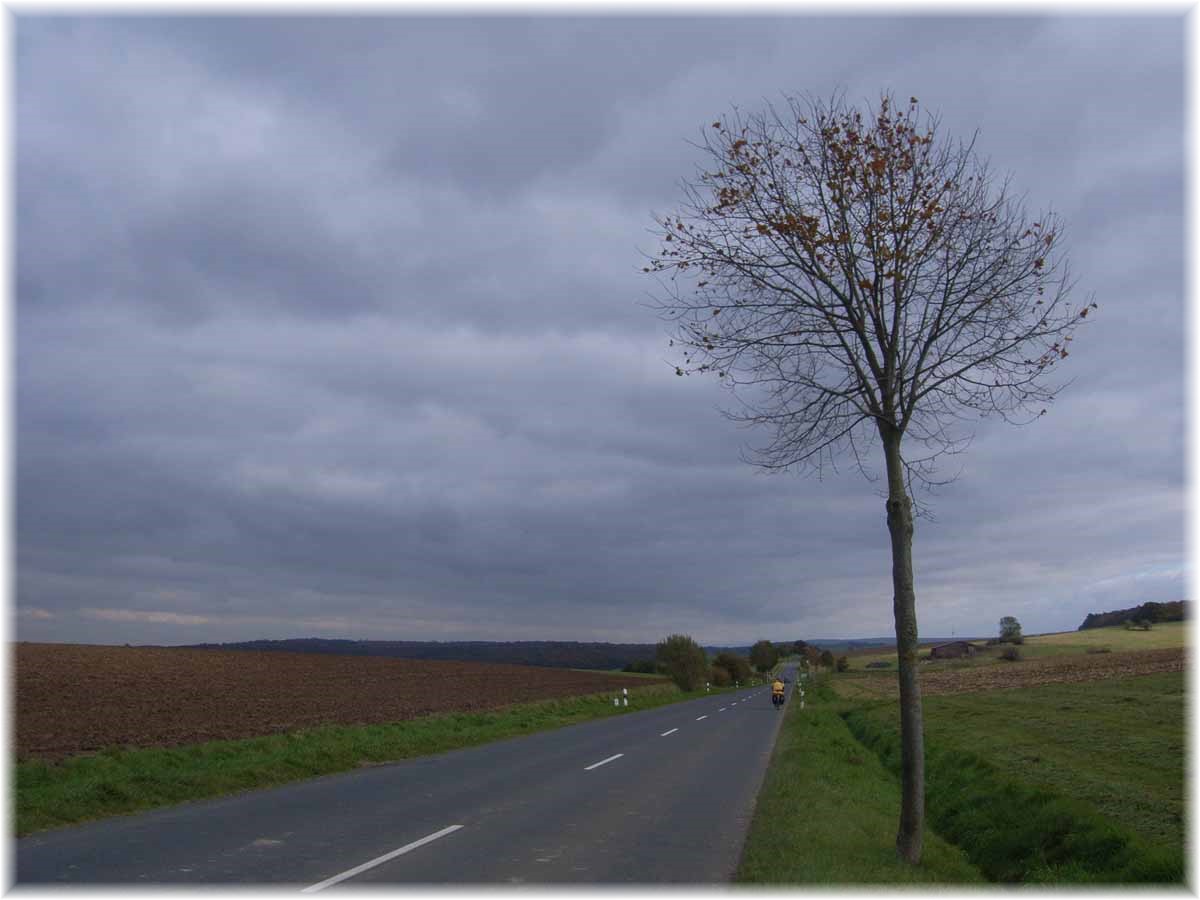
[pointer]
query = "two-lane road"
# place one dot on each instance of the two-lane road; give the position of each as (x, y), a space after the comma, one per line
(661, 795)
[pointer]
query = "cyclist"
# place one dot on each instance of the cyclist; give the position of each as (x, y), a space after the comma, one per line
(777, 691)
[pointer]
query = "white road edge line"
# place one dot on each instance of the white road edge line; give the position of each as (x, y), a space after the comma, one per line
(602, 762)
(665, 733)
(350, 873)
(702, 717)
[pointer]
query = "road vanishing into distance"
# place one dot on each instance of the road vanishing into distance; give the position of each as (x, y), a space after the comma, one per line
(662, 795)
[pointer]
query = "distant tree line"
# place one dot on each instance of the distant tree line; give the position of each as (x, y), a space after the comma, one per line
(684, 661)
(1172, 611)
(558, 654)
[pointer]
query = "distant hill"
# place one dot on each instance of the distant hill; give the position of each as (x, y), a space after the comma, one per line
(847, 645)
(559, 654)
(1174, 611)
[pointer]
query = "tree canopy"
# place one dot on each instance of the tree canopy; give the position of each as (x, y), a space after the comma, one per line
(852, 272)
(1010, 629)
(735, 665)
(683, 660)
(763, 655)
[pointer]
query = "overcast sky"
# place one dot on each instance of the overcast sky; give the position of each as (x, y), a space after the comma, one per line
(336, 327)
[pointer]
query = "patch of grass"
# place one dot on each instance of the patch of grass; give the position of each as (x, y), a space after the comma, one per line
(982, 658)
(1118, 744)
(865, 684)
(828, 810)
(118, 781)
(1061, 783)
(1162, 636)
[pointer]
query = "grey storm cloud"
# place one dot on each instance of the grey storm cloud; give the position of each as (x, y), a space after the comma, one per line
(337, 327)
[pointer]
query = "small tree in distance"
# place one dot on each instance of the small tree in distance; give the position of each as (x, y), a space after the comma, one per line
(684, 661)
(763, 656)
(736, 666)
(1010, 631)
(854, 278)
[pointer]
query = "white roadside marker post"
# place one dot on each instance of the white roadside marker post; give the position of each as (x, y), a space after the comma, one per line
(625, 691)
(616, 701)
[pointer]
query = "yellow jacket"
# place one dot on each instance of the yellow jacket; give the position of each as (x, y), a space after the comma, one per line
(777, 687)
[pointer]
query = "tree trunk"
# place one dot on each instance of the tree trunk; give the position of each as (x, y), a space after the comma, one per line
(909, 839)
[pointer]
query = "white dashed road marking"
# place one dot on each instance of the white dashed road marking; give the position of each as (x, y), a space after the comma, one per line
(350, 873)
(665, 733)
(701, 717)
(602, 762)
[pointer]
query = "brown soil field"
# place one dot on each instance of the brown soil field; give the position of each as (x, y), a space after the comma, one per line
(1029, 673)
(74, 698)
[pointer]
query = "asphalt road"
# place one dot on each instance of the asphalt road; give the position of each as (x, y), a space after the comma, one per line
(661, 795)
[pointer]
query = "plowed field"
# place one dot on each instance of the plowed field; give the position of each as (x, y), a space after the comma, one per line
(73, 698)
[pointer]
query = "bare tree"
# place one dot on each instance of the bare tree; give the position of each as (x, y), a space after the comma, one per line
(855, 276)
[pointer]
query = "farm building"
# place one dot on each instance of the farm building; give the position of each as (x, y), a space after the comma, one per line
(953, 650)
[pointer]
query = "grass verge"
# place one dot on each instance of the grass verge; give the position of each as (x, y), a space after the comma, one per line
(120, 781)
(827, 811)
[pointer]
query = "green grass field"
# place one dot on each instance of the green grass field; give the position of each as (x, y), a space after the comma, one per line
(1117, 639)
(115, 782)
(1117, 744)
(1070, 783)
